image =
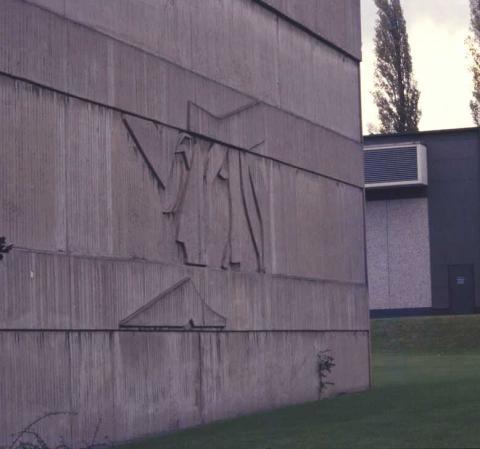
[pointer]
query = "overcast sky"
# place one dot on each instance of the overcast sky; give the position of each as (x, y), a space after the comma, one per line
(437, 30)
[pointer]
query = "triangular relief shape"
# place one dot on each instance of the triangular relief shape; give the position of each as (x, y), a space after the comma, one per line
(242, 127)
(179, 307)
(148, 139)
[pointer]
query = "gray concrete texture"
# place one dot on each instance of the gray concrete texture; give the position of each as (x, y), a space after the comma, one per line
(280, 65)
(182, 182)
(140, 382)
(337, 21)
(87, 149)
(398, 254)
(48, 291)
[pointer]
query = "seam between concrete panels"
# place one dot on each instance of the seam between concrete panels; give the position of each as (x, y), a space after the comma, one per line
(119, 259)
(193, 133)
(177, 331)
(200, 375)
(387, 230)
(307, 30)
(186, 69)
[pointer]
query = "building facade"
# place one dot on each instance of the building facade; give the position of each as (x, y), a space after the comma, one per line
(423, 235)
(182, 182)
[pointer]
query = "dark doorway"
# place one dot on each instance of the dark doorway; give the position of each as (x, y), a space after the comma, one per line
(461, 288)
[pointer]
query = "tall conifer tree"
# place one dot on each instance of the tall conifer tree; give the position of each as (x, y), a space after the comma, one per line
(474, 47)
(396, 94)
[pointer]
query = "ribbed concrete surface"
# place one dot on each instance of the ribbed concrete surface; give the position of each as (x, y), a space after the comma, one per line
(49, 291)
(92, 193)
(280, 65)
(139, 383)
(148, 142)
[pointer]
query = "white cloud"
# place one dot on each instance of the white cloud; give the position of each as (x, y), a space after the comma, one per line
(437, 31)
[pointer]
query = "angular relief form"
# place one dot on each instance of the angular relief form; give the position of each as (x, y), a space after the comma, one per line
(242, 127)
(186, 193)
(213, 195)
(147, 138)
(179, 307)
(253, 210)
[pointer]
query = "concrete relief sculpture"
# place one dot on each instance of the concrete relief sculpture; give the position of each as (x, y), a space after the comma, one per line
(242, 127)
(186, 204)
(212, 193)
(179, 307)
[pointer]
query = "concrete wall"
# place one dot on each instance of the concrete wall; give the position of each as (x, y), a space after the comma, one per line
(398, 254)
(182, 182)
(140, 383)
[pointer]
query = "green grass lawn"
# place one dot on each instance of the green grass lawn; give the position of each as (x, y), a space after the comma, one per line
(426, 395)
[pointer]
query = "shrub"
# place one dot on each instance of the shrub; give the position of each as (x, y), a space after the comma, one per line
(325, 364)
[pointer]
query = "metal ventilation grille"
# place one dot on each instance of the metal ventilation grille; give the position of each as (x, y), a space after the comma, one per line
(391, 165)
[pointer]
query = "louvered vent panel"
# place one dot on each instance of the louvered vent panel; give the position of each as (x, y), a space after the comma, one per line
(391, 165)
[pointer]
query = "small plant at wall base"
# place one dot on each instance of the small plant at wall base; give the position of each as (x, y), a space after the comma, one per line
(4, 248)
(325, 364)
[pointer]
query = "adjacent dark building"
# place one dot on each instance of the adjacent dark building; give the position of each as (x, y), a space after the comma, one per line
(423, 222)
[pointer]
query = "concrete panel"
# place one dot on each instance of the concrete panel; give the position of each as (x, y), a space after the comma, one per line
(234, 42)
(377, 254)
(336, 21)
(89, 178)
(130, 87)
(409, 253)
(92, 359)
(228, 371)
(318, 84)
(303, 144)
(88, 65)
(48, 291)
(280, 65)
(140, 383)
(36, 380)
(195, 28)
(276, 302)
(104, 292)
(166, 395)
(161, 26)
(139, 199)
(39, 54)
(398, 251)
(162, 91)
(57, 6)
(302, 241)
(316, 223)
(314, 305)
(32, 176)
(35, 291)
(17, 289)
